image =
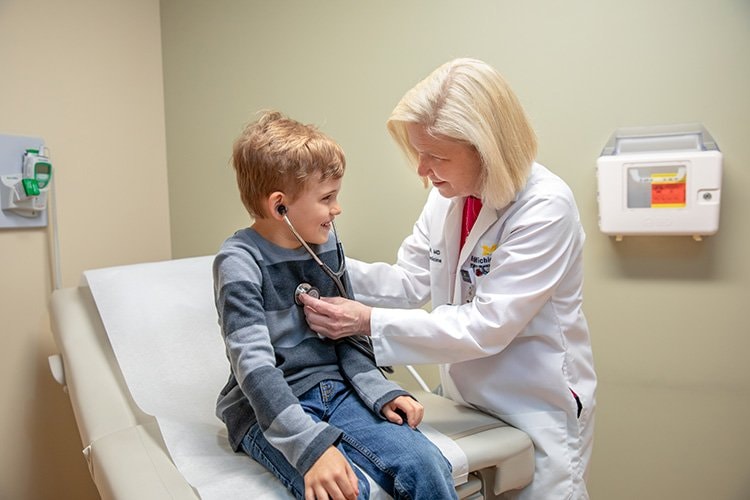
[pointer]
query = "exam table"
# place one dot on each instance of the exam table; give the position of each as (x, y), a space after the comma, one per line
(124, 445)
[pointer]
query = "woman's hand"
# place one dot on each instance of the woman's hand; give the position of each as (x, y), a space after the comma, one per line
(336, 317)
(404, 406)
(331, 476)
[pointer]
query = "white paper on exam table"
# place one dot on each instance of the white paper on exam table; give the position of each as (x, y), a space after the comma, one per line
(160, 318)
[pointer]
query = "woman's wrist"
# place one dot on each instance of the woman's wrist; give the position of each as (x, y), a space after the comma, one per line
(366, 317)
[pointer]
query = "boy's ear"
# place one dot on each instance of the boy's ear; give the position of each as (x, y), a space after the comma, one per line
(274, 201)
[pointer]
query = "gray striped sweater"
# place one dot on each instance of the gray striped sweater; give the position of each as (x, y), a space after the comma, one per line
(273, 355)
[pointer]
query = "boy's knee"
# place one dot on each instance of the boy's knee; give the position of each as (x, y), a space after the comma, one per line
(431, 462)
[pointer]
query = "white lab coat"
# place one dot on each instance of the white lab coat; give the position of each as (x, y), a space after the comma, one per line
(506, 320)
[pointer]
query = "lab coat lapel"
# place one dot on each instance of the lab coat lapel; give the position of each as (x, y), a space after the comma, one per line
(452, 240)
(487, 216)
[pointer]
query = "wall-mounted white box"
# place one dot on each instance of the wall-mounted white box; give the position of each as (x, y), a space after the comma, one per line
(663, 180)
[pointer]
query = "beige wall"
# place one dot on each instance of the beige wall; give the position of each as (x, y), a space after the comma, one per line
(86, 76)
(669, 333)
(669, 337)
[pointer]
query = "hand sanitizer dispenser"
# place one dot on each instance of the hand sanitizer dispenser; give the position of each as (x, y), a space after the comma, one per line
(25, 193)
(663, 180)
(25, 182)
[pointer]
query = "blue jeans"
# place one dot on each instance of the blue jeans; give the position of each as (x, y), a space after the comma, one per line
(401, 460)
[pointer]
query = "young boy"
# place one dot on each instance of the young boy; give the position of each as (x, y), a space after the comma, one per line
(315, 413)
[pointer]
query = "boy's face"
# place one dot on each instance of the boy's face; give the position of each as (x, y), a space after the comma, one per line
(314, 209)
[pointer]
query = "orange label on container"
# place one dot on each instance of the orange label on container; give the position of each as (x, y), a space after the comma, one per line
(668, 191)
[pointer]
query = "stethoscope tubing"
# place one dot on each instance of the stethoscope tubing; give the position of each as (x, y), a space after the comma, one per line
(361, 344)
(335, 276)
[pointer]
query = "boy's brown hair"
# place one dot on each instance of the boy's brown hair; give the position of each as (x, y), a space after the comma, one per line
(276, 153)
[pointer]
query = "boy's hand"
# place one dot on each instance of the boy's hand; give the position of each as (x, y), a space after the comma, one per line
(331, 476)
(404, 406)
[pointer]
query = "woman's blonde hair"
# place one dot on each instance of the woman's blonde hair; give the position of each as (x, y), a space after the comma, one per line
(469, 101)
(276, 153)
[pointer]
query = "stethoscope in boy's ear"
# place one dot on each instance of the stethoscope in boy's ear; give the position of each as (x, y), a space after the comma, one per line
(361, 342)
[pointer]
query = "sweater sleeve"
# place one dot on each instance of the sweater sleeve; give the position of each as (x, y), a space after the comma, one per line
(367, 380)
(239, 302)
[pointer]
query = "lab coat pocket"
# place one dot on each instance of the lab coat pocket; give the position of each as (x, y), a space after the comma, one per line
(548, 431)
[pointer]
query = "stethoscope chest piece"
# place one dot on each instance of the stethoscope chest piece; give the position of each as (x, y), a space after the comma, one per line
(305, 288)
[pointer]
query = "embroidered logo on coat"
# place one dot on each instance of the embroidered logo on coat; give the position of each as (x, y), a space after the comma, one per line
(488, 249)
(481, 265)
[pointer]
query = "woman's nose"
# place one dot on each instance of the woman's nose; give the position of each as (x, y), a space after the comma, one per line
(422, 168)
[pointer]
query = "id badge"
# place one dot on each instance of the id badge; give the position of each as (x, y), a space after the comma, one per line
(468, 285)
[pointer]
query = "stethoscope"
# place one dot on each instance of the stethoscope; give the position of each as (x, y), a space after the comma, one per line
(362, 343)
(307, 288)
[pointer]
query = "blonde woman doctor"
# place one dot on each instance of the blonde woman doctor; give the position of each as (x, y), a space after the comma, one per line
(498, 251)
